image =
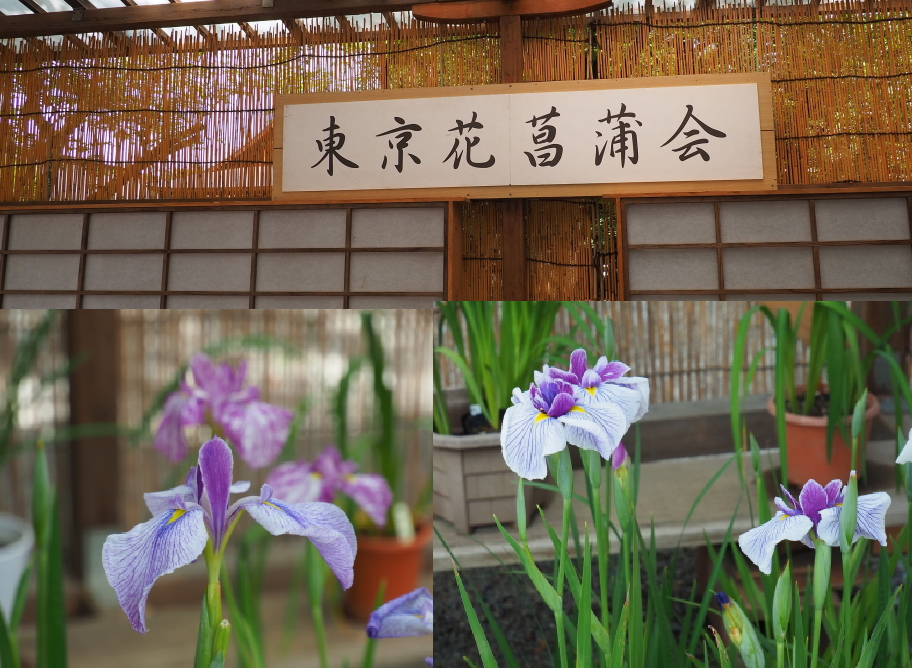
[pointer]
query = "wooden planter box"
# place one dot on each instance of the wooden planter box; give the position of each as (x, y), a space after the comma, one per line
(472, 482)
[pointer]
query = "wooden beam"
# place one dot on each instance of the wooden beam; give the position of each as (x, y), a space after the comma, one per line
(188, 14)
(38, 9)
(161, 34)
(390, 19)
(484, 10)
(515, 269)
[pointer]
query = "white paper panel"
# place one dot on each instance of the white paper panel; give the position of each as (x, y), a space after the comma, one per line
(745, 268)
(715, 128)
(391, 227)
(866, 267)
(673, 269)
(45, 231)
(127, 230)
(39, 301)
(121, 301)
(266, 301)
(854, 219)
(212, 229)
(308, 228)
(42, 272)
(207, 301)
(869, 296)
(786, 297)
(674, 298)
(123, 272)
(209, 271)
(766, 220)
(301, 272)
(672, 223)
(391, 302)
(397, 272)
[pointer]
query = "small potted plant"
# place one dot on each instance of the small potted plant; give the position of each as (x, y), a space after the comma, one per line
(813, 418)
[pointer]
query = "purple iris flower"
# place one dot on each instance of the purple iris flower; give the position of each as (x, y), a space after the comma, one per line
(409, 615)
(605, 382)
(320, 481)
(543, 420)
(817, 509)
(191, 516)
(257, 429)
(619, 457)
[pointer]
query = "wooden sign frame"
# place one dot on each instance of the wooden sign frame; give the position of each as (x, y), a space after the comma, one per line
(767, 141)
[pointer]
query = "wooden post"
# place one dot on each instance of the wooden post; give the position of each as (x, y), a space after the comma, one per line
(94, 462)
(515, 270)
(454, 265)
(515, 277)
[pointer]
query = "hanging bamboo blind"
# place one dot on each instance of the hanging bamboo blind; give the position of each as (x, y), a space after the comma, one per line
(135, 118)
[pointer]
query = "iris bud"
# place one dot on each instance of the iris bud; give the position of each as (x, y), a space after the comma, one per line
(741, 632)
(782, 602)
(821, 573)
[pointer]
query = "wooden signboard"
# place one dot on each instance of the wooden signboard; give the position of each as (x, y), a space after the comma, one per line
(705, 133)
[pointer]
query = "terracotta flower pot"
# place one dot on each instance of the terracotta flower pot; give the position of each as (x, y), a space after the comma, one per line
(806, 438)
(383, 558)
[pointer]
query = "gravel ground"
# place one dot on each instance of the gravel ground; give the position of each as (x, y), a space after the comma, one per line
(523, 618)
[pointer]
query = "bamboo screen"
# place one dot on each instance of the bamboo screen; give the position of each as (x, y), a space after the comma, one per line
(135, 118)
(318, 347)
(684, 347)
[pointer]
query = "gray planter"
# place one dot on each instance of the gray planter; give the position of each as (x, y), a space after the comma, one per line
(472, 482)
(16, 538)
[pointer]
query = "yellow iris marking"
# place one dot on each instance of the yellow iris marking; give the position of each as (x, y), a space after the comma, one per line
(316, 475)
(176, 515)
(577, 409)
(784, 517)
(540, 417)
(272, 504)
(591, 390)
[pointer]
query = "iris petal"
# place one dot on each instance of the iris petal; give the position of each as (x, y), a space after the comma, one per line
(872, 517)
(217, 465)
(295, 482)
(758, 544)
(259, 430)
(905, 456)
(159, 502)
(371, 492)
(324, 524)
(408, 615)
(610, 423)
(578, 363)
(812, 500)
(628, 400)
(169, 437)
(133, 561)
(526, 436)
(640, 385)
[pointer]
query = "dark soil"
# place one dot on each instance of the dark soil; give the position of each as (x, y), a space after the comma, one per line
(820, 408)
(524, 619)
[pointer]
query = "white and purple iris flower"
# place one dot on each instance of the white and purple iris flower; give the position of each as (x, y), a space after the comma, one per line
(905, 457)
(606, 382)
(815, 514)
(329, 474)
(575, 407)
(258, 430)
(196, 516)
(409, 615)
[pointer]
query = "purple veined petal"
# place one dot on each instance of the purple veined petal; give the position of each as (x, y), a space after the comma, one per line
(159, 502)
(169, 437)
(539, 376)
(758, 544)
(619, 457)
(832, 490)
(905, 456)
(324, 524)
(518, 396)
(296, 482)
(812, 500)
(625, 398)
(828, 527)
(409, 615)
(791, 498)
(578, 364)
(217, 466)
(640, 385)
(526, 436)
(133, 561)
(560, 374)
(610, 371)
(372, 493)
(257, 429)
(872, 517)
(608, 417)
(204, 372)
(783, 506)
(590, 381)
(562, 404)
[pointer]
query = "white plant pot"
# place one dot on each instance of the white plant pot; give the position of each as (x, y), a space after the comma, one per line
(16, 540)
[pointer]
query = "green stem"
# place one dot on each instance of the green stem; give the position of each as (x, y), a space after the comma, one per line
(559, 584)
(818, 621)
(601, 537)
(780, 652)
(315, 587)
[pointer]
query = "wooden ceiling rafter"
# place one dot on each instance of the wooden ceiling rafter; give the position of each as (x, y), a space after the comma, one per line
(207, 34)
(161, 34)
(35, 8)
(181, 14)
